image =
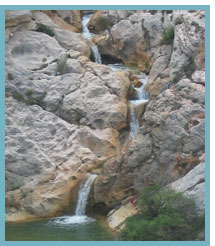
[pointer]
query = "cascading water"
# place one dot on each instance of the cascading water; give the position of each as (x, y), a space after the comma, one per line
(141, 98)
(89, 36)
(134, 124)
(83, 195)
(79, 217)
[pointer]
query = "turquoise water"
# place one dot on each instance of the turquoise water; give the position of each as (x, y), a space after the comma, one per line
(62, 228)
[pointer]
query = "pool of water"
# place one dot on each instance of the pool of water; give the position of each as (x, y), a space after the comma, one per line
(63, 228)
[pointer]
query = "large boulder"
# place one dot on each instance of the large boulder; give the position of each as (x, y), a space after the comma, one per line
(31, 50)
(15, 18)
(117, 217)
(130, 36)
(193, 186)
(73, 17)
(188, 47)
(66, 19)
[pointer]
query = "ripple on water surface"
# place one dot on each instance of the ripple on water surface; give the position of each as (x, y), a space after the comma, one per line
(63, 228)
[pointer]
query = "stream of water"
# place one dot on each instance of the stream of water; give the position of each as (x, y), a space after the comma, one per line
(80, 227)
(141, 94)
(88, 35)
(140, 99)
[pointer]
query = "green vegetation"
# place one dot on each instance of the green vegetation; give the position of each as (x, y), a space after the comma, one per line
(10, 76)
(61, 66)
(164, 216)
(45, 29)
(190, 67)
(18, 96)
(28, 93)
(28, 97)
(168, 36)
(102, 23)
(30, 100)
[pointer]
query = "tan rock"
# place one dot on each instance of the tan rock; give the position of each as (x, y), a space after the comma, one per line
(117, 217)
(60, 22)
(17, 17)
(158, 86)
(135, 81)
(73, 17)
(19, 216)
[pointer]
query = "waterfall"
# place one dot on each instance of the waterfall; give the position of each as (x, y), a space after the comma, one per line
(134, 124)
(79, 217)
(89, 36)
(141, 94)
(141, 98)
(83, 195)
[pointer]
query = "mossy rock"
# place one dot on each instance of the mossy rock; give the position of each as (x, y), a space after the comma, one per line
(45, 29)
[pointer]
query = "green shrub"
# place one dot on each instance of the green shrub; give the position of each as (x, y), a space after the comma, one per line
(168, 36)
(45, 29)
(164, 216)
(190, 66)
(18, 96)
(38, 101)
(102, 23)
(10, 76)
(61, 66)
(29, 93)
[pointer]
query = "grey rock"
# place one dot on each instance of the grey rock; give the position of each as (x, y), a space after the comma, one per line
(188, 43)
(193, 185)
(199, 77)
(14, 18)
(73, 41)
(139, 150)
(32, 50)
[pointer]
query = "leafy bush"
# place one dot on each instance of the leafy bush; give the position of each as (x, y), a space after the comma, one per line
(102, 23)
(18, 96)
(61, 66)
(164, 216)
(168, 36)
(190, 66)
(31, 100)
(45, 29)
(10, 76)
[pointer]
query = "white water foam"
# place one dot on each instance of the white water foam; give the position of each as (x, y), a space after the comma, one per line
(72, 220)
(141, 98)
(83, 195)
(79, 217)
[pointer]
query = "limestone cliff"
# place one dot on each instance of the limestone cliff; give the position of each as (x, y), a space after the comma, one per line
(67, 115)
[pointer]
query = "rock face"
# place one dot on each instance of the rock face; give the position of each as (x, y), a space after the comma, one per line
(193, 185)
(170, 142)
(63, 117)
(66, 115)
